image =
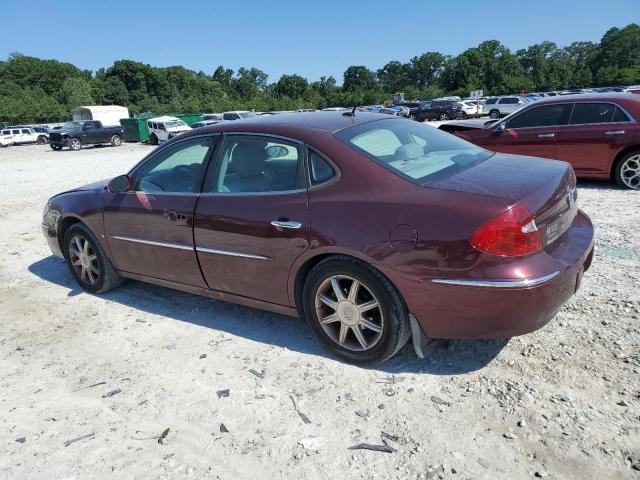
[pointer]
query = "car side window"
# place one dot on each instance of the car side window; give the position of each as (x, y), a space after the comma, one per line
(490, 101)
(25, 131)
(258, 164)
(178, 168)
(16, 132)
(543, 116)
(619, 116)
(320, 171)
(584, 113)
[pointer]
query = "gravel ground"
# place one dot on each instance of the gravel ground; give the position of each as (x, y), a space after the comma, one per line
(88, 383)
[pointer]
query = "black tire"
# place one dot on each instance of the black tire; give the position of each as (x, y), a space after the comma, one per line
(75, 144)
(627, 161)
(107, 277)
(395, 327)
(444, 116)
(116, 141)
(153, 140)
(42, 140)
(55, 146)
(494, 114)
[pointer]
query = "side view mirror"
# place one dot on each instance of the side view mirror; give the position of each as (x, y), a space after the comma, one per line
(119, 184)
(501, 127)
(276, 151)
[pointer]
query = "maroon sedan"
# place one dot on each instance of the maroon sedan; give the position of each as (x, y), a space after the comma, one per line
(372, 228)
(598, 135)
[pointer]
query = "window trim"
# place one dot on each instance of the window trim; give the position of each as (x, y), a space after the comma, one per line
(337, 173)
(132, 174)
(214, 165)
(573, 104)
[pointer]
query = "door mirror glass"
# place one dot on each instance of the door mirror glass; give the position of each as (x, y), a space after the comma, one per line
(276, 151)
(501, 127)
(119, 184)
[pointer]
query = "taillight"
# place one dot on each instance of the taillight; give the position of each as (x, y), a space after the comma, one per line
(512, 233)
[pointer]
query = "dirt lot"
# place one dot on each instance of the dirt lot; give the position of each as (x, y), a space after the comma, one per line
(113, 372)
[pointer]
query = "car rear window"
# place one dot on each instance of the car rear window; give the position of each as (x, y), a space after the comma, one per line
(412, 150)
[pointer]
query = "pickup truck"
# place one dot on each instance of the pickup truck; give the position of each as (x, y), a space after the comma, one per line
(76, 134)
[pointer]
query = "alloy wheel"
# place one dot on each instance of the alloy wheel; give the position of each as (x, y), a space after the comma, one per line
(630, 172)
(84, 259)
(75, 144)
(116, 140)
(349, 313)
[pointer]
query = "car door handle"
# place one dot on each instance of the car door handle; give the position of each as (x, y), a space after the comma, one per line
(615, 132)
(546, 135)
(279, 224)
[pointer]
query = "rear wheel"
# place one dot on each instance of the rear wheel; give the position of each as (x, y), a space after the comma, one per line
(116, 141)
(627, 170)
(87, 262)
(153, 139)
(75, 144)
(41, 140)
(494, 114)
(355, 312)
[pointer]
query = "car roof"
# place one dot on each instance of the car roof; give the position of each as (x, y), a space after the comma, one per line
(326, 121)
(589, 97)
(164, 118)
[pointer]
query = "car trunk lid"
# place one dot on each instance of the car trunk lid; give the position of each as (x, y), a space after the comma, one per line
(546, 187)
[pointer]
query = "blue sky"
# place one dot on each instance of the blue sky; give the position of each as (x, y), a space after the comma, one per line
(304, 37)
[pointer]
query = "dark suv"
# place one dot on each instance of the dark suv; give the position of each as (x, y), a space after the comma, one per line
(438, 110)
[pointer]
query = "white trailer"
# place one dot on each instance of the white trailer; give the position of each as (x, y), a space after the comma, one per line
(109, 115)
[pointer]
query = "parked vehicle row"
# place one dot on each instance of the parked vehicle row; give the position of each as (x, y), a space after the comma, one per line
(22, 135)
(597, 134)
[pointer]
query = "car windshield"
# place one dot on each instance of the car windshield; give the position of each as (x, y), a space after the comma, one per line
(415, 151)
(246, 114)
(71, 125)
(175, 123)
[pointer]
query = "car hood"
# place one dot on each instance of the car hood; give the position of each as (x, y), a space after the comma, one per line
(95, 186)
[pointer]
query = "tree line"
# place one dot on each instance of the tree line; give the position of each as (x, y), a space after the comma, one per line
(34, 90)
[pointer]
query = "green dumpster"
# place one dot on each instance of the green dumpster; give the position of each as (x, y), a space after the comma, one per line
(189, 118)
(136, 129)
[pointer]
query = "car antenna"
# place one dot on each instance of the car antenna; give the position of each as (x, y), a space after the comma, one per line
(352, 113)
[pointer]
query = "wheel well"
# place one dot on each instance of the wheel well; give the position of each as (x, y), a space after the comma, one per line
(303, 273)
(63, 226)
(621, 154)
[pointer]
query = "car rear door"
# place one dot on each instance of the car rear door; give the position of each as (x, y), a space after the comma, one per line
(150, 228)
(533, 132)
(252, 219)
(596, 132)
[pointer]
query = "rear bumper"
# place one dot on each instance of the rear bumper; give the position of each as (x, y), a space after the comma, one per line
(499, 301)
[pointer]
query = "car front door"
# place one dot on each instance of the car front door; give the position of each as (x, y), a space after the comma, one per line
(252, 220)
(150, 227)
(532, 132)
(596, 132)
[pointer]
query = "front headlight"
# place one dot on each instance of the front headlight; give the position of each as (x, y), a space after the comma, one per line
(47, 206)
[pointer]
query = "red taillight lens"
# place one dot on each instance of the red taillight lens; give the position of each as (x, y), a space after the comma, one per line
(512, 233)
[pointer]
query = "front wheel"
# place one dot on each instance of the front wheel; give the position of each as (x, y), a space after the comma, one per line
(627, 170)
(355, 311)
(116, 141)
(75, 144)
(444, 116)
(87, 261)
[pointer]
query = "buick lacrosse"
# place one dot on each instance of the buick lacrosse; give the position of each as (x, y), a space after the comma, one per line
(375, 229)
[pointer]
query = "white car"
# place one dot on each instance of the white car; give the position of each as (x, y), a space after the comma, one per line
(502, 106)
(471, 108)
(21, 135)
(237, 115)
(163, 128)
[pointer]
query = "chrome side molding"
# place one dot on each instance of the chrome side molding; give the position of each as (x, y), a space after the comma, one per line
(525, 282)
(179, 246)
(230, 253)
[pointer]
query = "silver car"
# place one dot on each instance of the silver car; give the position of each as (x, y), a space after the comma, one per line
(502, 106)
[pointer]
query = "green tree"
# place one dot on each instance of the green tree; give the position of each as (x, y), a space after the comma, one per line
(358, 77)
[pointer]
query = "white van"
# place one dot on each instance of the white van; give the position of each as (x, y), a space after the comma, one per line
(163, 128)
